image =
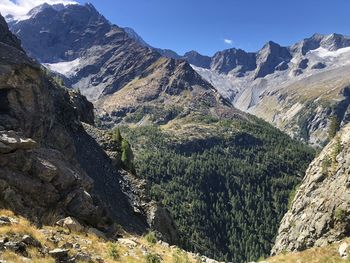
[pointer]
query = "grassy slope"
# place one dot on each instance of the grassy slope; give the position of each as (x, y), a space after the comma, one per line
(328, 254)
(88, 242)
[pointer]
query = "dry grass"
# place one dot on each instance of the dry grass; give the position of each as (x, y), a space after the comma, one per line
(89, 243)
(328, 254)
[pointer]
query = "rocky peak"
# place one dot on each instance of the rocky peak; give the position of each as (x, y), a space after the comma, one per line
(194, 58)
(60, 34)
(230, 59)
(320, 211)
(269, 57)
(330, 42)
(7, 37)
(335, 41)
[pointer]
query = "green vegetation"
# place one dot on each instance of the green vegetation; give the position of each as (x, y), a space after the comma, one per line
(180, 257)
(151, 238)
(291, 196)
(123, 146)
(113, 251)
(326, 164)
(228, 191)
(153, 258)
(340, 214)
(333, 127)
(156, 114)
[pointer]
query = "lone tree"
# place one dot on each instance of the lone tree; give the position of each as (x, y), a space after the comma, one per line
(127, 155)
(333, 127)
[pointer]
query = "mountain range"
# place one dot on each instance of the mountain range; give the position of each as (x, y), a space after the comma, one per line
(304, 85)
(113, 131)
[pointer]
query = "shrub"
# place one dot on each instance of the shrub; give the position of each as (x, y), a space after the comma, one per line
(326, 163)
(113, 251)
(340, 214)
(153, 258)
(180, 257)
(333, 127)
(291, 196)
(127, 155)
(151, 238)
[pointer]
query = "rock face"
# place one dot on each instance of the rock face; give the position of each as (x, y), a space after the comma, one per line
(194, 58)
(321, 208)
(96, 57)
(50, 167)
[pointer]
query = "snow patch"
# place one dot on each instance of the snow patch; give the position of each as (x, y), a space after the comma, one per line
(17, 10)
(324, 53)
(66, 68)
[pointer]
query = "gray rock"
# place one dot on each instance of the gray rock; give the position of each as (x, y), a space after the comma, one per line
(83, 257)
(17, 247)
(59, 254)
(343, 250)
(30, 241)
(71, 223)
(319, 65)
(4, 221)
(321, 208)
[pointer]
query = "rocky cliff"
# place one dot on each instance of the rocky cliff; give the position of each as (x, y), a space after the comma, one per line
(320, 211)
(50, 167)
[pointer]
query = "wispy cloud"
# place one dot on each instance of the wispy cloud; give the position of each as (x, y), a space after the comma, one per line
(19, 8)
(228, 41)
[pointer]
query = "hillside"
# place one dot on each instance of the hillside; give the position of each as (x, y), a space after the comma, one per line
(20, 241)
(320, 210)
(50, 167)
(226, 182)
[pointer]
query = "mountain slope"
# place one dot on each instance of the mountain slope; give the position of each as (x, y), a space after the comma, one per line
(50, 167)
(320, 210)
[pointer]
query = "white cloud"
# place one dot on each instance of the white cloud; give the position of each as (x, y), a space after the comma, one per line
(227, 41)
(19, 8)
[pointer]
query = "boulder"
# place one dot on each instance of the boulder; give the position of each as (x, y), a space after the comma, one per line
(71, 223)
(4, 221)
(59, 254)
(17, 247)
(31, 241)
(343, 250)
(11, 141)
(127, 242)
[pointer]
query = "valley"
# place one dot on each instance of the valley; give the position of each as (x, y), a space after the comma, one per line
(229, 158)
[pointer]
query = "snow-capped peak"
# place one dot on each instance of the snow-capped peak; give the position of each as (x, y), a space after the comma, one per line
(17, 10)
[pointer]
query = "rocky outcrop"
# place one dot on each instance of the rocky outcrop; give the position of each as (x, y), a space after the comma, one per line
(320, 211)
(231, 59)
(269, 57)
(194, 58)
(50, 167)
(137, 190)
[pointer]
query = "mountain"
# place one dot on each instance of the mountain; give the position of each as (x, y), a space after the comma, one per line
(50, 167)
(298, 89)
(319, 212)
(259, 82)
(213, 166)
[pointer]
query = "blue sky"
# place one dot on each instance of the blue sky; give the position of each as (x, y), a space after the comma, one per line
(204, 25)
